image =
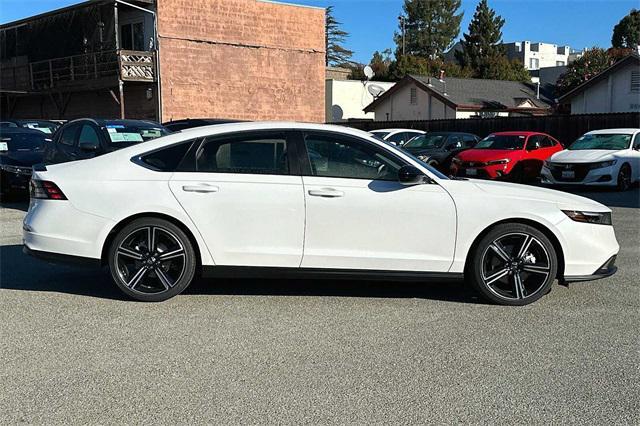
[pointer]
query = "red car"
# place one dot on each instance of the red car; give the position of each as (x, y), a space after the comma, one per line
(515, 156)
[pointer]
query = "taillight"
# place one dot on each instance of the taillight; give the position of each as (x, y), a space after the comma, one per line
(46, 190)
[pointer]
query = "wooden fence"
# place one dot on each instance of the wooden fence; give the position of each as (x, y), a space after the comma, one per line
(565, 128)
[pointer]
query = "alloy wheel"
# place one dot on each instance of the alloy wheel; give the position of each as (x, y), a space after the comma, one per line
(515, 266)
(624, 179)
(150, 260)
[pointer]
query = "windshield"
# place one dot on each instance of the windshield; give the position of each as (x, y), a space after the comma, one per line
(124, 134)
(21, 142)
(380, 135)
(426, 141)
(602, 141)
(501, 142)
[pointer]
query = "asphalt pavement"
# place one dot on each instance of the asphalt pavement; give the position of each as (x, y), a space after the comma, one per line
(73, 350)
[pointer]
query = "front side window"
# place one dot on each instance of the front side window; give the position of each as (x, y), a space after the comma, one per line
(260, 154)
(88, 135)
(68, 136)
(602, 141)
(534, 142)
(332, 156)
(469, 141)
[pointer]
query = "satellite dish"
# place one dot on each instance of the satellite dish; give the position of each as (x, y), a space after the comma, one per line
(375, 90)
(368, 72)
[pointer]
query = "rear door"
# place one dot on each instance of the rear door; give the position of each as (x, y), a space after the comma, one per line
(245, 197)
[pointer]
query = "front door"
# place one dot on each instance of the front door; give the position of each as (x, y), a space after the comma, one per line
(360, 217)
(241, 194)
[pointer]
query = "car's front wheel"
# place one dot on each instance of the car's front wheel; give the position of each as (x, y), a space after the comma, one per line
(514, 264)
(624, 178)
(152, 260)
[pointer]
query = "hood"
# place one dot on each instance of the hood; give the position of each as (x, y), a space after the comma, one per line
(482, 155)
(527, 193)
(21, 158)
(585, 155)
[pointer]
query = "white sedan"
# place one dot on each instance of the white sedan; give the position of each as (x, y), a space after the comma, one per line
(609, 157)
(397, 137)
(289, 199)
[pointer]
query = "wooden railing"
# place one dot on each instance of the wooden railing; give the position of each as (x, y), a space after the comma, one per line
(55, 73)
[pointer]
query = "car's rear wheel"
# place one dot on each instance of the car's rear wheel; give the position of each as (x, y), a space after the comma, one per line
(152, 260)
(624, 178)
(514, 264)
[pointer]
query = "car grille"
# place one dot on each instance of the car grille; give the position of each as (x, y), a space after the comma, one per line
(473, 164)
(580, 171)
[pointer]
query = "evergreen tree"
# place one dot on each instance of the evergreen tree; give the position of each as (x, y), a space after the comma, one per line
(626, 34)
(336, 53)
(430, 27)
(481, 46)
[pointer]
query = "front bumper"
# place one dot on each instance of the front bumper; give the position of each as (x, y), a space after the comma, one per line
(497, 171)
(583, 175)
(608, 269)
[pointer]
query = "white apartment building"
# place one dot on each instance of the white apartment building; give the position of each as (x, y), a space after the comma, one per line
(539, 55)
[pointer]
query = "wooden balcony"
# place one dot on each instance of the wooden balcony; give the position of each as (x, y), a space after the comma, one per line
(80, 71)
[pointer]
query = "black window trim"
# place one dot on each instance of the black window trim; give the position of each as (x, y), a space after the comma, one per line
(303, 157)
(138, 159)
(78, 125)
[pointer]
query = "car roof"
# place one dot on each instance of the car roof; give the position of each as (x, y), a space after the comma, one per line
(398, 130)
(24, 130)
(123, 121)
(629, 130)
(519, 133)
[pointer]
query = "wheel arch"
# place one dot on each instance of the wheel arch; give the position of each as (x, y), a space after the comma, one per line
(124, 222)
(539, 226)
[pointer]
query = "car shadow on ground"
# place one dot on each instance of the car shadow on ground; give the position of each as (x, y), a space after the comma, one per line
(19, 271)
(15, 204)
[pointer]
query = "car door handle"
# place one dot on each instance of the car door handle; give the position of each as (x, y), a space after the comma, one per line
(203, 188)
(326, 192)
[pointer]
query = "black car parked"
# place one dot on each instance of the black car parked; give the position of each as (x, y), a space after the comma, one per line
(188, 123)
(438, 148)
(87, 138)
(20, 149)
(45, 126)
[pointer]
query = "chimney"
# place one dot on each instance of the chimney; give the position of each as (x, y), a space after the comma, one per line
(442, 75)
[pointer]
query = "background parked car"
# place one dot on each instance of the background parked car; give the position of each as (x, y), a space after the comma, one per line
(20, 149)
(87, 138)
(516, 156)
(438, 148)
(609, 157)
(188, 123)
(396, 137)
(45, 126)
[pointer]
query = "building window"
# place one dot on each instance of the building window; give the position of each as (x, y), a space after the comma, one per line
(534, 63)
(635, 81)
(132, 36)
(413, 96)
(560, 64)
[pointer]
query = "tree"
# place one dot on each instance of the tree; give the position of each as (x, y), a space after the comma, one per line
(430, 27)
(335, 37)
(592, 62)
(380, 63)
(409, 64)
(481, 46)
(626, 33)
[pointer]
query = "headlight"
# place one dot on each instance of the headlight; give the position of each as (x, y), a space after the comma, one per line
(494, 162)
(456, 160)
(589, 217)
(603, 164)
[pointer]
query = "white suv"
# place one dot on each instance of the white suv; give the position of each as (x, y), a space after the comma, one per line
(609, 157)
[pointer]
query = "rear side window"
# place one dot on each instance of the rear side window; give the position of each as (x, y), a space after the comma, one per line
(255, 154)
(547, 142)
(166, 159)
(68, 136)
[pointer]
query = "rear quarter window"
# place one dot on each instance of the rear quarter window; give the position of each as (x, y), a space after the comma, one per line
(165, 159)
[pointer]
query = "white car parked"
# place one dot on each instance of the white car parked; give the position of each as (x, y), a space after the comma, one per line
(397, 137)
(609, 157)
(307, 200)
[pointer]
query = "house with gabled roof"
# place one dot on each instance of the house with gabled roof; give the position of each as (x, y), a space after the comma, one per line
(418, 97)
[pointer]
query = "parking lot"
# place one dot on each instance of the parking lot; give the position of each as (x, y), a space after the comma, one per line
(251, 351)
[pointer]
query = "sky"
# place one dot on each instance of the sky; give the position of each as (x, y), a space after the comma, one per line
(371, 23)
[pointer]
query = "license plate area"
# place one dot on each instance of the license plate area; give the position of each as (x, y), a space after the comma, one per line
(472, 172)
(568, 174)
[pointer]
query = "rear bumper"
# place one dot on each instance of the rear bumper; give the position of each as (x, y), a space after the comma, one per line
(62, 258)
(606, 270)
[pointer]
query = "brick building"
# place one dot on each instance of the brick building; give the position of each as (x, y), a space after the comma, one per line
(167, 60)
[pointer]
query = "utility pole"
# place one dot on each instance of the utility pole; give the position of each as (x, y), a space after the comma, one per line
(403, 22)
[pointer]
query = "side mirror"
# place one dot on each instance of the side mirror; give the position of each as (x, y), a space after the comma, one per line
(410, 175)
(88, 146)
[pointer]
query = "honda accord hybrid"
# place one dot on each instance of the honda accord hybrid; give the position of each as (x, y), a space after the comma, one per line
(307, 200)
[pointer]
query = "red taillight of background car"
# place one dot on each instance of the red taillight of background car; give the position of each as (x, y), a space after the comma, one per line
(45, 189)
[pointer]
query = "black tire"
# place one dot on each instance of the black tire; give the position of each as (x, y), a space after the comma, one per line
(536, 267)
(517, 174)
(624, 178)
(130, 257)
